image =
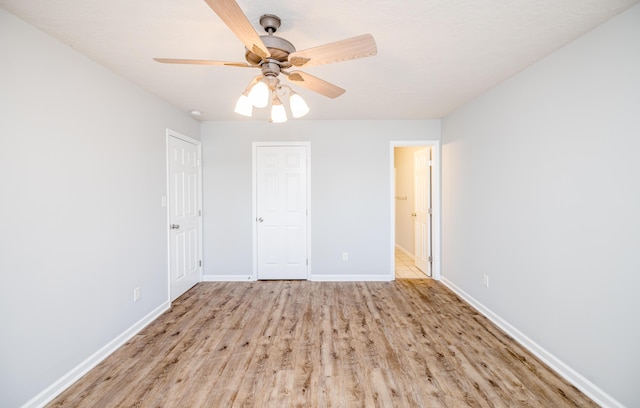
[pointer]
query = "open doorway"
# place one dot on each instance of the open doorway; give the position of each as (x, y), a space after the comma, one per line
(415, 209)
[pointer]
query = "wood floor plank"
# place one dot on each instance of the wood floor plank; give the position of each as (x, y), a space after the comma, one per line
(408, 343)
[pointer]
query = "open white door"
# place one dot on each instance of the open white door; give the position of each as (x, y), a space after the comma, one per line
(184, 187)
(281, 212)
(422, 209)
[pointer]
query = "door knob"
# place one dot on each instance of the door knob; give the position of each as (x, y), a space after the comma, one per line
(174, 226)
(414, 214)
(260, 219)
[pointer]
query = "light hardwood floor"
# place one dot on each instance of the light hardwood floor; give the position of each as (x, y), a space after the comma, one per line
(408, 343)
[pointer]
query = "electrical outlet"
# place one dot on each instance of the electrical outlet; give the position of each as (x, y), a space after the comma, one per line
(136, 294)
(485, 281)
(345, 256)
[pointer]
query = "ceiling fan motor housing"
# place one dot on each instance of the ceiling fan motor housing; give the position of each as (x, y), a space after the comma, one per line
(270, 68)
(278, 47)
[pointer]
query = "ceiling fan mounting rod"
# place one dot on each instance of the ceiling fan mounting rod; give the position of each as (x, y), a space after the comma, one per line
(270, 23)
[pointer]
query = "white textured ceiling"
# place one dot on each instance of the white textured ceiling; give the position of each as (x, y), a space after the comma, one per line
(433, 55)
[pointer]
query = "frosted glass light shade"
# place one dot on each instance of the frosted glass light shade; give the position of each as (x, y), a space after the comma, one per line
(299, 107)
(278, 114)
(244, 106)
(259, 95)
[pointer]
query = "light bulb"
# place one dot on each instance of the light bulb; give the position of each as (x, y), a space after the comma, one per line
(259, 95)
(243, 106)
(298, 106)
(278, 114)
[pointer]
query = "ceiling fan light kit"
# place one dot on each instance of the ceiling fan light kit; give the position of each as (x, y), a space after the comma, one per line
(274, 56)
(278, 113)
(259, 95)
(244, 106)
(298, 106)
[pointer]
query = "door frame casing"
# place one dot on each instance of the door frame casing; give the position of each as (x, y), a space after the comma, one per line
(254, 185)
(436, 252)
(176, 135)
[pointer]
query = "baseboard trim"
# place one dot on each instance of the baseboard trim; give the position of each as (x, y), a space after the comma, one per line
(590, 389)
(351, 278)
(404, 251)
(316, 278)
(227, 278)
(81, 369)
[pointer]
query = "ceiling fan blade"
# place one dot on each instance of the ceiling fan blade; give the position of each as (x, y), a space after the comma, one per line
(231, 14)
(350, 48)
(204, 62)
(314, 84)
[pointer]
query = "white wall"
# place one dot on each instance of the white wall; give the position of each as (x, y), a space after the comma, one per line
(82, 173)
(350, 196)
(541, 192)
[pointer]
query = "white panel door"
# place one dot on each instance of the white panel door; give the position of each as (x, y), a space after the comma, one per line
(281, 212)
(422, 204)
(184, 216)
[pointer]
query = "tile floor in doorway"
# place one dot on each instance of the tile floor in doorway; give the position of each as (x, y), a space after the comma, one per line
(405, 267)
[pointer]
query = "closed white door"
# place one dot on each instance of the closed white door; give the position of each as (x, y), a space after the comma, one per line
(422, 209)
(184, 185)
(281, 212)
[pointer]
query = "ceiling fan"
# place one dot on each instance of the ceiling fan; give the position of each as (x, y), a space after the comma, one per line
(274, 56)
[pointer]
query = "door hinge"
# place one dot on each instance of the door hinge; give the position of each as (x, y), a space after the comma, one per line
(307, 261)
(200, 263)
(200, 213)
(430, 211)
(430, 259)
